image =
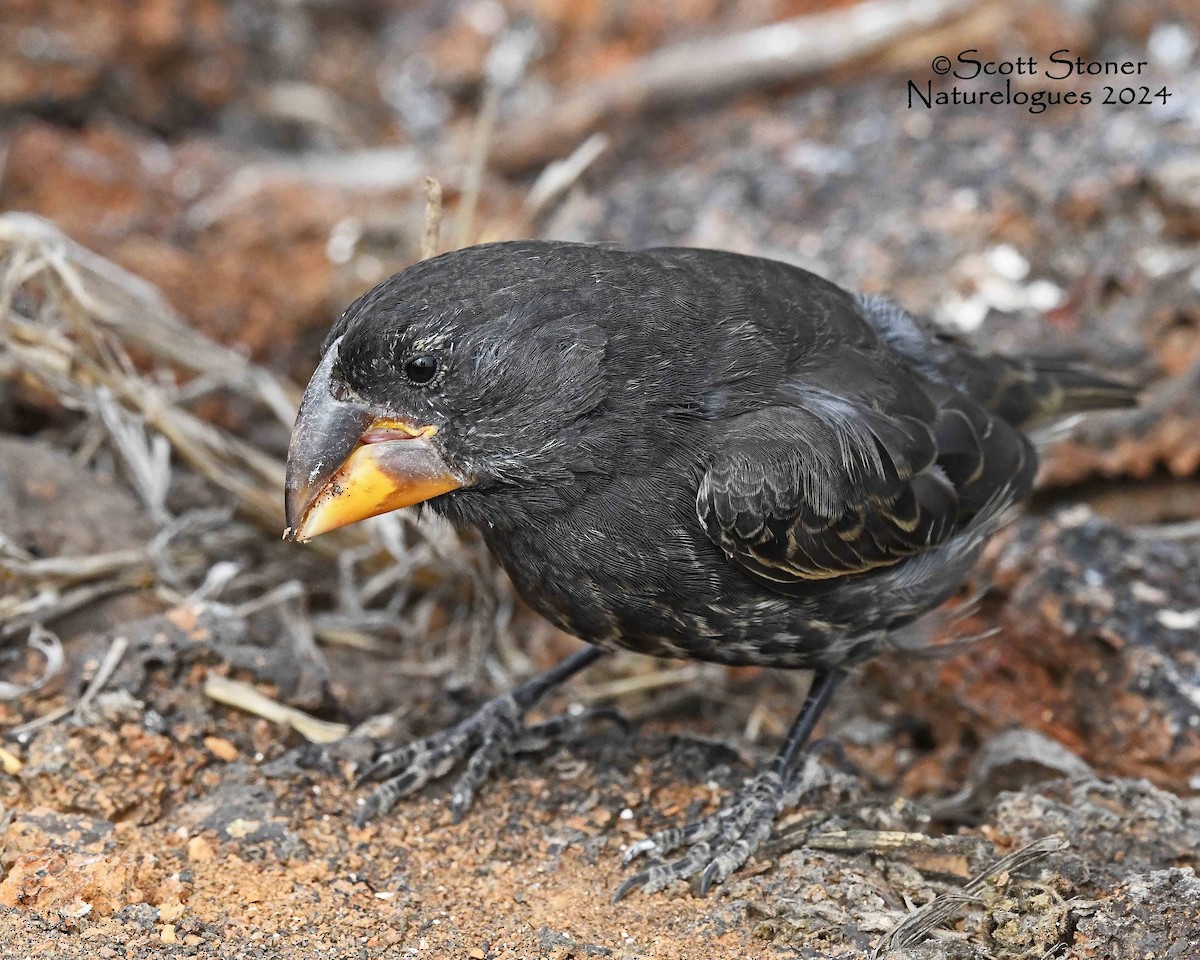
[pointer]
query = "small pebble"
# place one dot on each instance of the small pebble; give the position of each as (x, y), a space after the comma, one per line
(221, 748)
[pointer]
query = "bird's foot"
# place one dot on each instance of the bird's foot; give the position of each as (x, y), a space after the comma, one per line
(720, 843)
(495, 731)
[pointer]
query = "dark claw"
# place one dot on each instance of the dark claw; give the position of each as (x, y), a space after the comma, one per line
(367, 773)
(612, 715)
(371, 808)
(633, 883)
(709, 877)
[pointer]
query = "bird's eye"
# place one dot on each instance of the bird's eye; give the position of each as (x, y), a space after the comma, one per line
(420, 370)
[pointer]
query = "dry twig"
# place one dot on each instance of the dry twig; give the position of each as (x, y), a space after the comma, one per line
(779, 53)
(103, 674)
(505, 64)
(48, 645)
(242, 696)
(940, 909)
(431, 236)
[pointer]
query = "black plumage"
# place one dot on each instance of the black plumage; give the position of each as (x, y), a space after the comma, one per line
(691, 453)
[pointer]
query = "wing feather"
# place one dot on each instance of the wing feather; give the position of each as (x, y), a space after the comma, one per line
(797, 495)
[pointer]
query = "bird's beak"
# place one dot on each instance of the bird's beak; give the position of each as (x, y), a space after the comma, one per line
(347, 463)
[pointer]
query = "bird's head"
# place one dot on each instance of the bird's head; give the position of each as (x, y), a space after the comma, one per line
(473, 370)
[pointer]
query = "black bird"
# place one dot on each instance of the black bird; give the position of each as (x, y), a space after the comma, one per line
(681, 452)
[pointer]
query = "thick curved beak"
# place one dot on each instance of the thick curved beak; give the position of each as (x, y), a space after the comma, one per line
(347, 463)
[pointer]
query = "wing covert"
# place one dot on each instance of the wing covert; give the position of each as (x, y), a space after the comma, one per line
(799, 495)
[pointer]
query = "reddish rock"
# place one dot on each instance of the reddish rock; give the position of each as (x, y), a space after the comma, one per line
(67, 865)
(1096, 648)
(159, 62)
(244, 257)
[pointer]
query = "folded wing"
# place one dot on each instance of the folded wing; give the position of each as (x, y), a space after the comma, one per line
(826, 487)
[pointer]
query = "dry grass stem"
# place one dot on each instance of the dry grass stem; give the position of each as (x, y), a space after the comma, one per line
(431, 235)
(242, 696)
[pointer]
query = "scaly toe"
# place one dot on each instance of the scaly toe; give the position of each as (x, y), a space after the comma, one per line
(386, 764)
(672, 838)
(717, 845)
(649, 845)
(418, 763)
(483, 740)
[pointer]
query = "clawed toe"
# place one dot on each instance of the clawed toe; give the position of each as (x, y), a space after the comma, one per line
(717, 845)
(387, 763)
(483, 738)
(482, 742)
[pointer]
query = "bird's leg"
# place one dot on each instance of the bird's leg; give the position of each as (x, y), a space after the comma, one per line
(494, 731)
(721, 842)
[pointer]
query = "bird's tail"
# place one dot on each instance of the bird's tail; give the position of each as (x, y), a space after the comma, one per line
(1026, 390)
(1021, 390)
